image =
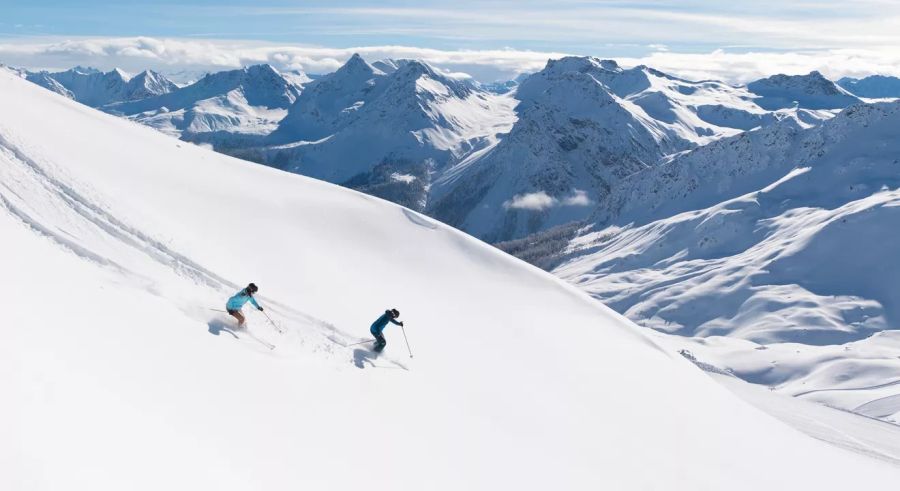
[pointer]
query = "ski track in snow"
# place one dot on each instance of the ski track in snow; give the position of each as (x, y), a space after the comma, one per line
(86, 214)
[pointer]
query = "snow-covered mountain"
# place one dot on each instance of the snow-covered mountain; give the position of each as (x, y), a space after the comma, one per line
(500, 166)
(94, 88)
(384, 130)
(583, 125)
(46, 80)
(783, 240)
(572, 140)
(219, 106)
(120, 376)
(873, 86)
(811, 91)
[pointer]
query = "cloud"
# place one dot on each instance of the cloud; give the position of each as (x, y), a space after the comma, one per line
(532, 201)
(774, 24)
(578, 198)
(175, 55)
(540, 201)
(742, 67)
(188, 58)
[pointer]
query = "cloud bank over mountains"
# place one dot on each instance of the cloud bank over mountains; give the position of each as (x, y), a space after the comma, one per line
(184, 59)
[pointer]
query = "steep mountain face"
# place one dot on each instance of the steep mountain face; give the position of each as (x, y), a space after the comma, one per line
(401, 130)
(220, 106)
(148, 84)
(153, 239)
(782, 240)
(94, 88)
(332, 102)
(874, 86)
(812, 91)
(572, 141)
(45, 80)
(384, 131)
(583, 125)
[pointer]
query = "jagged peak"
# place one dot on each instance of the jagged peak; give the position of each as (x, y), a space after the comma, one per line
(244, 74)
(388, 65)
(572, 64)
(610, 65)
(416, 68)
(119, 74)
(84, 70)
(261, 69)
(408, 73)
(355, 65)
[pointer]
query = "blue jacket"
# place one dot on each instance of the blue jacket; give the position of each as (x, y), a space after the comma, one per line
(239, 299)
(381, 322)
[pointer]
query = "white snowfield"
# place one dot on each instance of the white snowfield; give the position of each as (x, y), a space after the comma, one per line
(118, 240)
(775, 250)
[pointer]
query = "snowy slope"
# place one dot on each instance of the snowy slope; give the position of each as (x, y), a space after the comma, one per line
(121, 378)
(94, 88)
(783, 237)
(45, 80)
(873, 86)
(219, 106)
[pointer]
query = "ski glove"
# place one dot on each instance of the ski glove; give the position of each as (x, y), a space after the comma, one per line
(401, 323)
(260, 309)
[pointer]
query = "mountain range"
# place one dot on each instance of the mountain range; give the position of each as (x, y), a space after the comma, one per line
(776, 245)
(122, 372)
(717, 214)
(94, 88)
(498, 163)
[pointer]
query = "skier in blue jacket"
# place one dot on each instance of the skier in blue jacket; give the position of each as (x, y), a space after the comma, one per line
(233, 307)
(378, 327)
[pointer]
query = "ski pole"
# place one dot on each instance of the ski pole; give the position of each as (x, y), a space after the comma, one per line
(407, 341)
(277, 328)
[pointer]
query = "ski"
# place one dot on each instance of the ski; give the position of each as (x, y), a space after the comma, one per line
(258, 340)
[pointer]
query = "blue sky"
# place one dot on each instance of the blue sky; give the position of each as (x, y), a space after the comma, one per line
(691, 36)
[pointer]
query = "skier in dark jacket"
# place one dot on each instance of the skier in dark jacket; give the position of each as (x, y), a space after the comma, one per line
(238, 300)
(378, 326)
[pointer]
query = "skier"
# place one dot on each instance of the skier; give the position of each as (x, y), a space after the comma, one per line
(379, 325)
(233, 307)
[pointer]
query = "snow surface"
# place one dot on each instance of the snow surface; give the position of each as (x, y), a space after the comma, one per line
(865, 435)
(118, 240)
(783, 239)
(229, 105)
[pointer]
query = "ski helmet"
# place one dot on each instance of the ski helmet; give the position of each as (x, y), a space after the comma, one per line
(252, 288)
(395, 313)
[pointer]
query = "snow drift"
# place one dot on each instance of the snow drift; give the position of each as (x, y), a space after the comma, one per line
(118, 240)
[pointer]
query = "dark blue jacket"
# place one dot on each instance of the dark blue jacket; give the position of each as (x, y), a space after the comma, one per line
(381, 322)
